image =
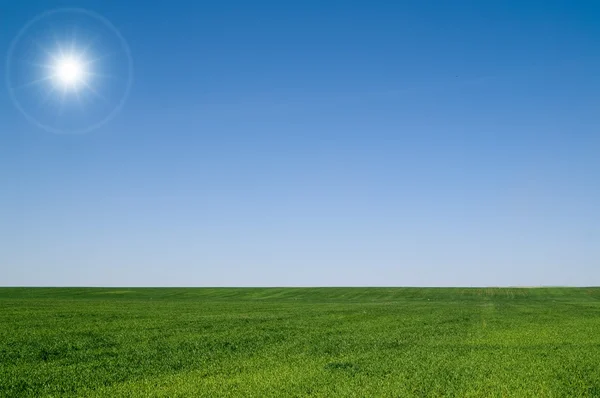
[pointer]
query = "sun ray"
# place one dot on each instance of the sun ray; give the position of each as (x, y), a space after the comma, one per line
(91, 89)
(49, 93)
(90, 44)
(79, 104)
(45, 50)
(63, 96)
(102, 75)
(33, 83)
(57, 44)
(73, 40)
(98, 58)
(35, 64)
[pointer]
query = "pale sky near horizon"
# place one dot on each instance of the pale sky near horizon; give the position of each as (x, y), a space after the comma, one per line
(318, 143)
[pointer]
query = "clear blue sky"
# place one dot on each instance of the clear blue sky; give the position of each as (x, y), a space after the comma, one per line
(319, 143)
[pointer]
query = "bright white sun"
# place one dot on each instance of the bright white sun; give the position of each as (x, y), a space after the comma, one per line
(69, 72)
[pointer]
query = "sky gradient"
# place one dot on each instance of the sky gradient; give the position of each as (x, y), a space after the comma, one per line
(269, 143)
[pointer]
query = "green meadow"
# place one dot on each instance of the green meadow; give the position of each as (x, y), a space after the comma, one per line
(280, 342)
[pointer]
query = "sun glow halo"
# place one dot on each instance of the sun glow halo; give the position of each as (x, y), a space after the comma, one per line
(69, 72)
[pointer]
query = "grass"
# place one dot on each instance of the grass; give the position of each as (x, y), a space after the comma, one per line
(376, 342)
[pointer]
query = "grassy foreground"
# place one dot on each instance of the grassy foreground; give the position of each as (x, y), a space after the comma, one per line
(363, 342)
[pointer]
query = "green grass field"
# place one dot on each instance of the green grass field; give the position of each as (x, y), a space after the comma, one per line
(328, 342)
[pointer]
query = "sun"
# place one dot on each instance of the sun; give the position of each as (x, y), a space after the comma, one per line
(69, 72)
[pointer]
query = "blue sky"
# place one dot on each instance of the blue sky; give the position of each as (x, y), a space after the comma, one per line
(312, 143)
